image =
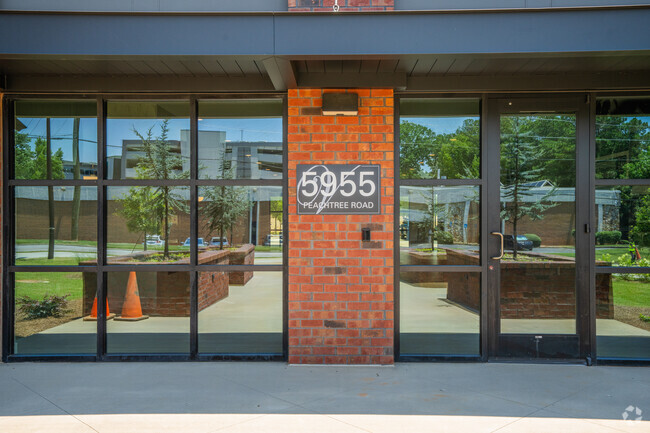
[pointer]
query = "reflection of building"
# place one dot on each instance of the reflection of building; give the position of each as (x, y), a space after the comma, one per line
(458, 213)
(87, 170)
(218, 158)
(252, 227)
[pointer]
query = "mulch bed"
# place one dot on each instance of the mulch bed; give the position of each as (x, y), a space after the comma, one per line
(25, 327)
(630, 315)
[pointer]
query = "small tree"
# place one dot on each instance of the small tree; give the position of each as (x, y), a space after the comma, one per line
(143, 211)
(224, 204)
(433, 217)
(159, 162)
(518, 154)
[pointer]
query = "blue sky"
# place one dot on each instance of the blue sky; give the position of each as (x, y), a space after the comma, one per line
(264, 129)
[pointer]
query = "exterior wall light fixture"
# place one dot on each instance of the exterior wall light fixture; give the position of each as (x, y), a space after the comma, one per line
(335, 104)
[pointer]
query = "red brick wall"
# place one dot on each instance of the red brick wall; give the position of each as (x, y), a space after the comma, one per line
(344, 5)
(340, 288)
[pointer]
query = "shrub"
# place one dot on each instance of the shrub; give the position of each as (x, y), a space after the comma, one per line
(537, 241)
(644, 318)
(443, 237)
(608, 237)
(49, 306)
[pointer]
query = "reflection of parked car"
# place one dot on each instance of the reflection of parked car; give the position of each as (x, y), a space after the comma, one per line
(201, 243)
(273, 241)
(522, 243)
(217, 241)
(154, 240)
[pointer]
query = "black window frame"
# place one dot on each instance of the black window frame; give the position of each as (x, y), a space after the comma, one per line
(103, 267)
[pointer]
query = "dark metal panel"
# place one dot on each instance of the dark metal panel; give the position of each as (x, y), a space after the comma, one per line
(387, 65)
(584, 219)
(281, 73)
(333, 66)
(8, 236)
(479, 32)
(442, 66)
(592, 350)
(440, 268)
(147, 5)
(486, 313)
(491, 205)
(136, 34)
(285, 229)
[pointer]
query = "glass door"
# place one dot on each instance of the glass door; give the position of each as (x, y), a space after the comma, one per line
(538, 227)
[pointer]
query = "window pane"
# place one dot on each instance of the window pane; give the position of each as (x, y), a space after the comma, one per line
(622, 138)
(240, 312)
(240, 139)
(623, 315)
(148, 224)
(538, 175)
(50, 313)
(439, 225)
(439, 139)
(245, 218)
(623, 225)
(70, 128)
(440, 313)
(70, 212)
(148, 140)
(152, 312)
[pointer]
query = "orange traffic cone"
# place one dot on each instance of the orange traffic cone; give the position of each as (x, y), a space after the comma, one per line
(93, 312)
(132, 309)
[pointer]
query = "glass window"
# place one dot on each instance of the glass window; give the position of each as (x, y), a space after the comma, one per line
(240, 312)
(67, 128)
(439, 225)
(55, 225)
(148, 140)
(238, 218)
(622, 138)
(148, 224)
(240, 139)
(623, 315)
(54, 313)
(152, 312)
(439, 138)
(439, 313)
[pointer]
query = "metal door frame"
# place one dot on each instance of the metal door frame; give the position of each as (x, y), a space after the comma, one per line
(578, 104)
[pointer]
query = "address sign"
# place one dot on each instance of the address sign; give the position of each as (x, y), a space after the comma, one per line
(338, 189)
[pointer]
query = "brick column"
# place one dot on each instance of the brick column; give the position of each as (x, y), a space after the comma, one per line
(340, 288)
(344, 5)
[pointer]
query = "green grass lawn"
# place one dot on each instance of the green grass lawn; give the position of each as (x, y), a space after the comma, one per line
(37, 284)
(631, 293)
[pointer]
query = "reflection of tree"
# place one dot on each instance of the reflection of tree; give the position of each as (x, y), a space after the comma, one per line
(159, 162)
(454, 155)
(433, 219)
(519, 157)
(143, 211)
(224, 204)
(641, 228)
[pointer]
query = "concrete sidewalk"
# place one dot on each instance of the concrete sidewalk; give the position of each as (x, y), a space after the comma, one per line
(275, 397)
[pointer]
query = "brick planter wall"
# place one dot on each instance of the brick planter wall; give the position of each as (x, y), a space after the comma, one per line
(244, 255)
(340, 288)
(529, 290)
(162, 293)
(344, 5)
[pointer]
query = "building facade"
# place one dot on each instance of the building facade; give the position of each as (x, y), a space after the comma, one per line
(326, 182)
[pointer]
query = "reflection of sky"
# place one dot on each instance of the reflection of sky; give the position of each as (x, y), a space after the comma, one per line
(439, 125)
(123, 129)
(61, 135)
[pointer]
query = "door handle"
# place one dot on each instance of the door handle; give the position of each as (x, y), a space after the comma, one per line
(501, 236)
